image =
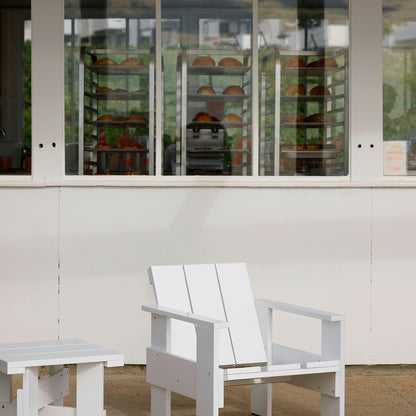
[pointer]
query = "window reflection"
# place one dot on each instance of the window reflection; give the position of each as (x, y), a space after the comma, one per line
(15, 89)
(399, 86)
(208, 78)
(109, 108)
(303, 88)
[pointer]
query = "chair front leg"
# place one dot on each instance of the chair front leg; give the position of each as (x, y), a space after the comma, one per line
(261, 394)
(160, 401)
(332, 406)
(208, 396)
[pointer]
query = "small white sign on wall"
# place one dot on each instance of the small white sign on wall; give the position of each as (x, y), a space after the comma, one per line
(395, 157)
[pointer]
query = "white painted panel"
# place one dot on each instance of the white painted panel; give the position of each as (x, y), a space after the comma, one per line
(206, 300)
(29, 264)
(241, 313)
(171, 291)
(309, 247)
(394, 265)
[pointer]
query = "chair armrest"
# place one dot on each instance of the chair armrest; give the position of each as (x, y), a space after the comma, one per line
(185, 316)
(299, 310)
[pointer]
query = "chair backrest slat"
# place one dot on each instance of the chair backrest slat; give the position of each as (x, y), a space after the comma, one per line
(241, 313)
(171, 291)
(219, 291)
(206, 300)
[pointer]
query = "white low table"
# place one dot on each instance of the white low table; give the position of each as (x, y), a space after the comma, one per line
(44, 396)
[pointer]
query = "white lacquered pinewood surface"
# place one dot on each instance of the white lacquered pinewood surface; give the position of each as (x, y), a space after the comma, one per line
(15, 357)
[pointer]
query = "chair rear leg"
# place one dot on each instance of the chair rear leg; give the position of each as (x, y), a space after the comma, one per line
(261, 399)
(332, 406)
(160, 402)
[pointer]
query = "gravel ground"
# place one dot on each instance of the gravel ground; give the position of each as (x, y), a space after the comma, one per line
(370, 391)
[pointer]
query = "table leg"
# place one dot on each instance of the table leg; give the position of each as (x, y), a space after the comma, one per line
(90, 389)
(5, 388)
(27, 400)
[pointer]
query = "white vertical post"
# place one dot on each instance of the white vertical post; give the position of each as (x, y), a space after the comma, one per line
(160, 402)
(90, 389)
(366, 90)
(48, 98)
(261, 394)
(255, 93)
(207, 372)
(29, 395)
(333, 346)
(159, 91)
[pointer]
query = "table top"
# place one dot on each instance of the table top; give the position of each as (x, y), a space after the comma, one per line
(15, 357)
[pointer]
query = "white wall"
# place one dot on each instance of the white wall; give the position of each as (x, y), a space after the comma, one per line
(346, 250)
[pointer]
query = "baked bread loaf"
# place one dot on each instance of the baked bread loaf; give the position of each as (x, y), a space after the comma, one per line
(203, 61)
(103, 90)
(206, 91)
(295, 90)
(105, 145)
(146, 92)
(105, 61)
(233, 90)
(314, 146)
(132, 146)
(132, 62)
(320, 118)
(120, 118)
(136, 117)
(294, 63)
(229, 62)
(324, 63)
(300, 147)
(319, 90)
(231, 118)
(120, 90)
(292, 118)
(203, 117)
(106, 117)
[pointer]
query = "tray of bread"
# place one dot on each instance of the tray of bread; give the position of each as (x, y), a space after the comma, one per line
(108, 120)
(206, 65)
(232, 93)
(205, 121)
(316, 67)
(210, 70)
(293, 120)
(310, 98)
(309, 151)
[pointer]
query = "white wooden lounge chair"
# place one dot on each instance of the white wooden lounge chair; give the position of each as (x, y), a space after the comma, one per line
(206, 334)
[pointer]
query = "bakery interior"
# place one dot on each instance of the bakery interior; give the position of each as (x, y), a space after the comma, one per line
(211, 111)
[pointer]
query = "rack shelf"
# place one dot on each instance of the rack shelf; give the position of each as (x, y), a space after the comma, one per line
(93, 105)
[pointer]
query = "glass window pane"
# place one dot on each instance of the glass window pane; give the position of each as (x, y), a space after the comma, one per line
(303, 67)
(109, 87)
(15, 88)
(399, 87)
(207, 59)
